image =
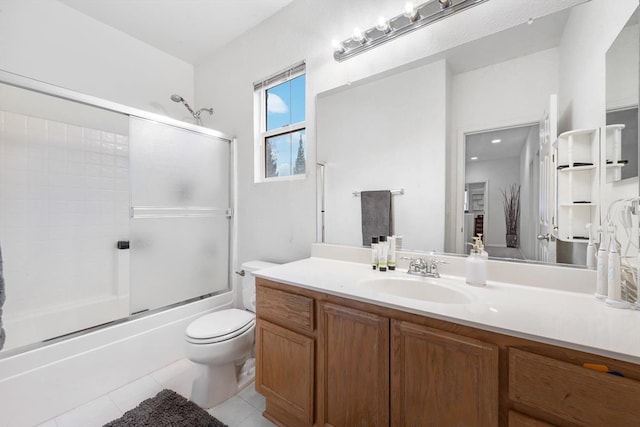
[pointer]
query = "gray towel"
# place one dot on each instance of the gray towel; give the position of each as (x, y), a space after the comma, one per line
(2, 299)
(376, 215)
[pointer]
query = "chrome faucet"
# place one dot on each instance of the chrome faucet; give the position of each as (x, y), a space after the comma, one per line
(424, 267)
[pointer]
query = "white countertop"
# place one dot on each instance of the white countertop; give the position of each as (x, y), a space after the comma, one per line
(568, 319)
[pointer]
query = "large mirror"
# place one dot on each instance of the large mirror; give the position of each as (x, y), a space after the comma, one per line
(622, 71)
(429, 134)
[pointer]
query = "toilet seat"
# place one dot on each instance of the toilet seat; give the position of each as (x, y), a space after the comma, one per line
(220, 326)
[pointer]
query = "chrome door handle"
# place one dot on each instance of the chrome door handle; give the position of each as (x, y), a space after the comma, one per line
(546, 237)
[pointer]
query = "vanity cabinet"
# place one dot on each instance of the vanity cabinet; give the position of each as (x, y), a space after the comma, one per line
(285, 355)
(353, 370)
(442, 379)
(572, 392)
(326, 360)
(369, 368)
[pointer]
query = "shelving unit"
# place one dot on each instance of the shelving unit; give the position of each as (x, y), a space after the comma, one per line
(613, 152)
(578, 183)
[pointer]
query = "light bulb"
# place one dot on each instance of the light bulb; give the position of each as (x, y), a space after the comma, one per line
(445, 3)
(383, 25)
(337, 45)
(410, 11)
(358, 35)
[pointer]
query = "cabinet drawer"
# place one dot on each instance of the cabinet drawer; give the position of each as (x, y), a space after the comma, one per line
(571, 392)
(286, 309)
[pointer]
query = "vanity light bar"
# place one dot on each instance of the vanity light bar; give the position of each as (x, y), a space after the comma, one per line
(426, 13)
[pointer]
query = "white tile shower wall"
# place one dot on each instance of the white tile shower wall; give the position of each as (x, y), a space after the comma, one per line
(64, 199)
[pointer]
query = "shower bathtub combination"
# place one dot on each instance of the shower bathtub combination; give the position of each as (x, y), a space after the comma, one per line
(116, 230)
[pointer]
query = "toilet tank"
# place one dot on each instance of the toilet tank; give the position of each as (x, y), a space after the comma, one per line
(249, 282)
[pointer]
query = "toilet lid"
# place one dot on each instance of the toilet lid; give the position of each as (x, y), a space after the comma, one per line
(224, 323)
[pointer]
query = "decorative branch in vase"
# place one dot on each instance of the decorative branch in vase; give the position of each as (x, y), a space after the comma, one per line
(511, 204)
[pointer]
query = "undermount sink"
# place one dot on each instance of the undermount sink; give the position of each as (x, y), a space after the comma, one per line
(422, 289)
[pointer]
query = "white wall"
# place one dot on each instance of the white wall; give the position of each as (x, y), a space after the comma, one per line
(49, 41)
(504, 94)
(582, 61)
(509, 93)
(402, 145)
(276, 221)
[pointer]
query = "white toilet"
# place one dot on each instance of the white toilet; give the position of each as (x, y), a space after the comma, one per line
(221, 342)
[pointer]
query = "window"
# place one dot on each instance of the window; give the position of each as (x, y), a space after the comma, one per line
(281, 142)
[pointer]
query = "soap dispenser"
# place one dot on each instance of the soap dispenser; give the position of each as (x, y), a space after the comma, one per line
(476, 265)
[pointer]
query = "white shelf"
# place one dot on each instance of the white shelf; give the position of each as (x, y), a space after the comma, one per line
(612, 152)
(577, 182)
(577, 168)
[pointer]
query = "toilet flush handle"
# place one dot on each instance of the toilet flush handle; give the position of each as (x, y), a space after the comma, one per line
(240, 273)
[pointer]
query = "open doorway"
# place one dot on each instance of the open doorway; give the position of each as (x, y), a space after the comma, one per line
(475, 216)
(499, 165)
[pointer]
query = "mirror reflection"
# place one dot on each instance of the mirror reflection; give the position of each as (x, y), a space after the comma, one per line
(420, 127)
(622, 101)
(501, 175)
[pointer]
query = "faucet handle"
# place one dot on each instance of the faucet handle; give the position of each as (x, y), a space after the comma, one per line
(433, 267)
(416, 264)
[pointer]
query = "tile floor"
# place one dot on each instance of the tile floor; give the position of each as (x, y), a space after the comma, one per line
(243, 410)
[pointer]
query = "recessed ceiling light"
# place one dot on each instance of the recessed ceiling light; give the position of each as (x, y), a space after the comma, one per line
(496, 141)
(474, 158)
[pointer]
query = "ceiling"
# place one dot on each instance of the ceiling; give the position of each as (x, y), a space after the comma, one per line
(511, 144)
(187, 29)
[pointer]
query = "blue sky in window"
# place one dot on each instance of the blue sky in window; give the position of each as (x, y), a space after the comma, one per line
(286, 103)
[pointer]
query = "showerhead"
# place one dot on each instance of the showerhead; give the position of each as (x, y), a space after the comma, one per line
(178, 98)
(195, 114)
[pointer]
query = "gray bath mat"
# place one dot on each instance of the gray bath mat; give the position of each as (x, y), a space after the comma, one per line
(166, 409)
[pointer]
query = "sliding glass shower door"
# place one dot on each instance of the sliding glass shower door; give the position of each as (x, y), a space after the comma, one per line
(180, 214)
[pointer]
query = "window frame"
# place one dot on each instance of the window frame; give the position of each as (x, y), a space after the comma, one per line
(261, 135)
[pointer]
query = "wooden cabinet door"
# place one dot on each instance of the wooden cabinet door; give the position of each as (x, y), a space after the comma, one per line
(518, 420)
(442, 379)
(285, 373)
(353, 370)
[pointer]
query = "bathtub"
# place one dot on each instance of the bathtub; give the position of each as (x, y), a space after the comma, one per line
(45, 382)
